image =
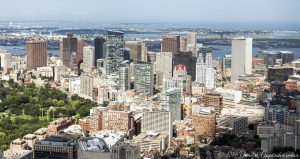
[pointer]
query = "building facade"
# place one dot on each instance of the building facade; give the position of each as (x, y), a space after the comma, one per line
(36, 54)
(143, 78)
(241, 52)
(114, 51)
(68, 48)
(88, 58)
(170, 44)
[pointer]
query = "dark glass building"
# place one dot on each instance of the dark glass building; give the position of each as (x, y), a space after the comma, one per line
(68, 48)
(114, 51)
(99, 48)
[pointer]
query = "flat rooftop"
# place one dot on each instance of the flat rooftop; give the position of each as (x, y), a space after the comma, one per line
(94, 144)
(56, 140)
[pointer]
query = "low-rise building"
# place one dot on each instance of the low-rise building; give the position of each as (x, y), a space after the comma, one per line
(126, 150)
(55, 126)
(152, 141)
(234, 123)
(205, 124)
(93, 148)
(55, 147)
(110, 137)
(30, 139)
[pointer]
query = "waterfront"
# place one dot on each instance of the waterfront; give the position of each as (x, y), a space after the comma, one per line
(218, 52)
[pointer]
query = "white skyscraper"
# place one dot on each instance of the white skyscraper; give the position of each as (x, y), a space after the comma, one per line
(205, 73)
(192, 42)
(5, 59)
(124, 83)
(241, 63)
(163, 63)
(200, 69)
(88, 58)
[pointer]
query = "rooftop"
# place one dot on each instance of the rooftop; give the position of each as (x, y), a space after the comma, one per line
(94, 144)
(110, 137)
(56, 140)
(149, 136)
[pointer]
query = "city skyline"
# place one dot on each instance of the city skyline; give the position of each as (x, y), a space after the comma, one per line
(204, 11)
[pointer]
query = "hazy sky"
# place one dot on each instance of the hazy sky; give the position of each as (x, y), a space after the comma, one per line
(207, 11)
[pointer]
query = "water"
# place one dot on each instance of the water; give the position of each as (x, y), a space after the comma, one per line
(222, 50)
(218, 52)
(21, 50)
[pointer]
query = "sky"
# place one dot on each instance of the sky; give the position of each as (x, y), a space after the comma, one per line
(160, 11)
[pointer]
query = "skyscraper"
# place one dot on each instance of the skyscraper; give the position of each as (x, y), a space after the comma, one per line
(124, 81)
(79, 54)
(241, 52)
(163, 65)
(171, 44)
(183, 44)
(192, 42)
(143, 78)
(88, 58)
(137, 50)
(200, 69)
(86, 85)
(99, 48)
(68, 47)
(171, 96)
(226, 62)
(205, 73)
(36, 54)
(114, 48)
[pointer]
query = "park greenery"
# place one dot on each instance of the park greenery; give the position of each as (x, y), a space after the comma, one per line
(25, 108)
(234, 141)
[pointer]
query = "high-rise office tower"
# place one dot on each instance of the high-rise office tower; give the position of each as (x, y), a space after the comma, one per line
(205, 73)
(226, 62)
(68, 48)
(143, 73)
(200, 69)
(192, 42)
(138, 50)
(86, 85)
(99, 48)
(286, 56)
(36, 54)
(124, 81)
(241, 52)
(210, 81)
(79, 54)
(114, 48)
(171, 96)
(183, 44)
(171, 44)
(88, 58)
(163, 65)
